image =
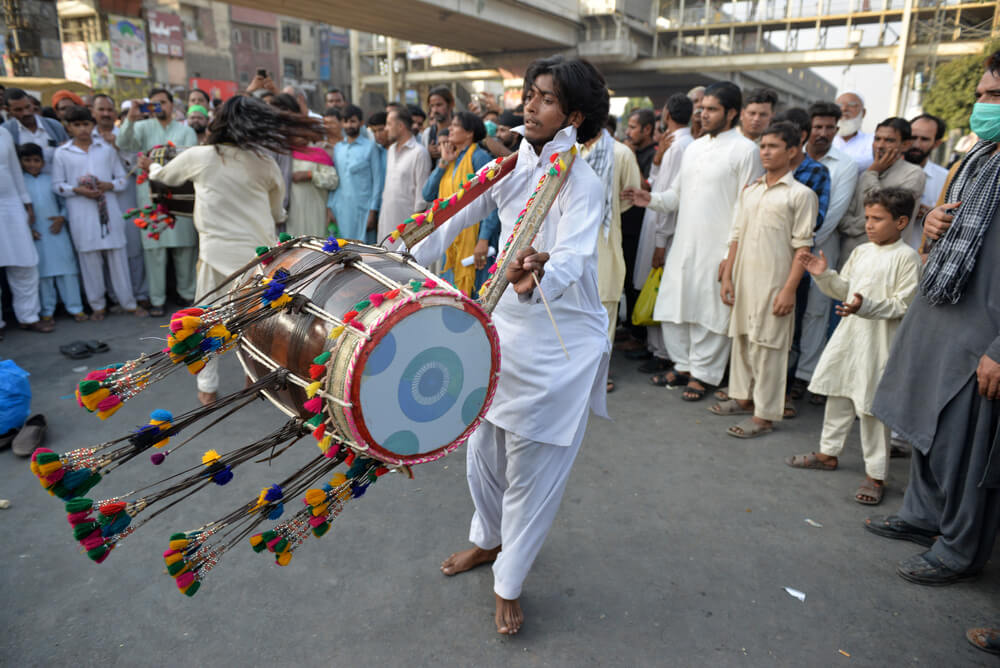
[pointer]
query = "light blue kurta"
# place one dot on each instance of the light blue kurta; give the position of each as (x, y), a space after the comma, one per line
(362, 175)
(142, 136)
(56, 256)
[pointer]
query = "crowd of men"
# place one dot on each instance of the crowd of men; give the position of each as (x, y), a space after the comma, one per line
(785, 246)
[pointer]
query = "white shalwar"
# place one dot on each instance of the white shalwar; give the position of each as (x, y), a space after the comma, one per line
(534, 427)
(17, 249)
(714, 170)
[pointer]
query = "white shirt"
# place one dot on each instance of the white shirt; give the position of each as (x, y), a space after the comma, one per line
(704, 193)
(41, 137)
(100, 160)
(407, 167)
(843, 179)
(17, 249)
(238, 200)
(859, 148)
(541, 395)
(936, 177)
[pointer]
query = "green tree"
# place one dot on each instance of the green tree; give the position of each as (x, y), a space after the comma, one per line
(954, 90)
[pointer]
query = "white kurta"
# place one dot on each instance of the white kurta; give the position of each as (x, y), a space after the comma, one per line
(859, 148)
(407, 167)
(100, 160)
(886, 277)
(713, 172)
(238, 196)
(936, 178)
(541, 395)
(658, 228)
(40, 137)
(17, 249)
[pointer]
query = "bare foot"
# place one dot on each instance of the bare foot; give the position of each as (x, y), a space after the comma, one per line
(459, 562)
(509, 616)
(206, 398)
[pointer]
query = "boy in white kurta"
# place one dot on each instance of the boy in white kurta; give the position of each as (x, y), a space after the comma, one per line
(520, 457)
(774, 223)
(84, 172)
(881, 279)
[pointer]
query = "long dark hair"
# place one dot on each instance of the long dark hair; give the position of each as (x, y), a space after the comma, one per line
(251, 124)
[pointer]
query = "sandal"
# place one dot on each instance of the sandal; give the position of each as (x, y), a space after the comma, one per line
(749, 429)
(98, 315)
(80, 317)
(670, 379)
(868, 491)
(156, 311)
(810, 461)
(95, 346)
(895, 527)
(730, 407)
(790, 410)
(693, 393)
(610, 386)
(987, 640)
(77, 350)
(722, 394)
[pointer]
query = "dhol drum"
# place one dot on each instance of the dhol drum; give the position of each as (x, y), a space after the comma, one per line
(177, 201)
(410, 375)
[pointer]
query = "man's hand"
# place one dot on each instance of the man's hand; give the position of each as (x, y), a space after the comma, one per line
(659, 257)
(133, 111)
(784, 302)
(479, 253)
(105, 186)
(727, 292)
(666, 140)
(109, 137)
(143, 161)
(988, 375)
(259, 82)
(939, 220)
(302, 175)
(528, 261)
(92, 193)
(637, 196)
(845, 309)
(884, 160)
(30, 210)
(372, 220)
(36, 235)
(57, 224)
(814, 265)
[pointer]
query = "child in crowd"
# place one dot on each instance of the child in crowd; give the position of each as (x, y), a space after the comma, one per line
(774, 223)
(57, 273)
(84, 171)
(881, 278)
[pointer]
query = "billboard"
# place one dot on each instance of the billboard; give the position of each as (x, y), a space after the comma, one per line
(129, 57)
(216, 88)
(76, 62)
(166, 34)
(99, 57)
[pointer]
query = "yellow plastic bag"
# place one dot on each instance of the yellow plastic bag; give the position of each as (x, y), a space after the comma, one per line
(642, 314)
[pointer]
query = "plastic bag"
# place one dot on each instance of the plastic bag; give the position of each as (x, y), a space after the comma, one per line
(15, 396)
(642, 314)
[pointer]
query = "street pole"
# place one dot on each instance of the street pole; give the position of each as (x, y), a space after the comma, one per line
(899, 67)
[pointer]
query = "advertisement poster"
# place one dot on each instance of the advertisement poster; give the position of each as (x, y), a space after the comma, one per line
(216, 88)
(129, 57)
(101, 76)
(76, 62)
(166, 34)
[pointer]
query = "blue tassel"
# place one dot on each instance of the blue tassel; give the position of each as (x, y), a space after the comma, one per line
(331, 245)
(273, 493)
(223, 476)
(162, 415)
(276, 512)
(73, 478)
(122, 520)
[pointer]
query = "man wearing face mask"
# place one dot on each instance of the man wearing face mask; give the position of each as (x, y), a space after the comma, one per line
(197, 120)
(941, 385)
(850, 139)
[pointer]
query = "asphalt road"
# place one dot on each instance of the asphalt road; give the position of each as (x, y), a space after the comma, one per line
(673, 547)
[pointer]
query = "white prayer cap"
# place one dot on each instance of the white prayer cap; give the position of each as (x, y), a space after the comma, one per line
(126, 105)
(855, 93)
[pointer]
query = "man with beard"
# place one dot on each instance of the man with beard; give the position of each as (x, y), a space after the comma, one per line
(105, 130)
(508, 121)
(355, 202)
(696, 95)
(928, 133)
(28, 127)
(197, 120)
(714, 170)
(440, 102)
(850, 139)
(181, 241)
(407, 168)
(419, 118)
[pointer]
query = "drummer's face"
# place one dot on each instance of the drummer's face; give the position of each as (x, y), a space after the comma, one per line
(543, 112)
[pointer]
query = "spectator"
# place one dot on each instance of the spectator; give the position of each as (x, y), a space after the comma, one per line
(407, 167)
(197, 120)
(758, 110)
(198, 97)
(440, 103)
(335, 98)
(27, 126)
(64, 100)
(696, 95)
(419, 118)
(850, 138)
(355, 202)
(928, 133)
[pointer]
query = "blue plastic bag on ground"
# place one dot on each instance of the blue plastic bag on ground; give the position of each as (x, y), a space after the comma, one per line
(15, 396)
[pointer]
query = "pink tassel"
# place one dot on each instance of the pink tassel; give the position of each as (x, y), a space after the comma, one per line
(453, 200)
(316, 520)
(55, 476)
(429, 283)
(91, 543)
(314, 405)
(79, 518)
(357, 325)
(420, 218)
(376, 299)
(170, 552)
(184, 579)
(99, 374)
(107, 403)
(332, 451)
(482, 177)
(493, 268)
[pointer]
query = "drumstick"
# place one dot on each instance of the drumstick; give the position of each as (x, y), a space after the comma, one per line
(549, 311)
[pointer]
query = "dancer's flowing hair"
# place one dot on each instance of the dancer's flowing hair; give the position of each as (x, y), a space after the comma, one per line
(251, 124)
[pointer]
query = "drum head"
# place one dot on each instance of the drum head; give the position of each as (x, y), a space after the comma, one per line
(426, 379)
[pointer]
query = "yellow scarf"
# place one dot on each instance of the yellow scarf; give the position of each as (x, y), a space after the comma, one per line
(465, 243)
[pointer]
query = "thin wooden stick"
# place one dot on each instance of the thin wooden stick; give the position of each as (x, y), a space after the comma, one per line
(549, 311)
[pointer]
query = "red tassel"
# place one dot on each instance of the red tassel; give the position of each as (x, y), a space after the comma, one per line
(392, 294)
(319, 431)
(316, 371)
(401, 227)
(381, 471)
(350, 315)
(109, 509)
(349, 459)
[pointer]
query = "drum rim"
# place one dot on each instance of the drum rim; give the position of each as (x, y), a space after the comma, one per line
(360, 354)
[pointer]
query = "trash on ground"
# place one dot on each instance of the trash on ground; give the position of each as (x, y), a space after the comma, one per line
(813, 523)
(796, 593)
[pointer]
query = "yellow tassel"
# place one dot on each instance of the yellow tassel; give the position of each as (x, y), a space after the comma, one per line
(461, 193)
(490, 174)
(219, 332)
(50, 467)
(179, 544)
(210, 457)
(173, 558)
(196, 366)
(34, 467)
(281, 301)
(338, 479)
(256, 539)
(284, 558)
(313, 388)
(191, 322)
(394, 235)
(320, 509)
(182, 334)
(430, 217)
(336, 332)
(91, 400)
(323, 444)
(315, 496)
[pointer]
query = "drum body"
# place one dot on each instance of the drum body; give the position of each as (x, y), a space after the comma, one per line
(179, 200)
(415, 381)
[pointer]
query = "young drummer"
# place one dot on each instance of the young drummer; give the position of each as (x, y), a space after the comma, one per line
(880, 278)
(58, 277)
(520, 457)
(84, 172)
(774, 222)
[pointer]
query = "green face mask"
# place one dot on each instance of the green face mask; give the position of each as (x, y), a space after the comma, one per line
(985, 121)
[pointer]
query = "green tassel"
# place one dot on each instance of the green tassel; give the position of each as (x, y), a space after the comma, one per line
(284, 236)
(79, 505)
(178, 536)
(97, 552)
(268, 536)
(415, 284)
(176, 567)
(360, 306)
(46, 457)
(260, 250)
(192, 588)
(322, 358)
(280, 546)
(321, 529)
(86, 387)
(259, 547)
(315, 420)
(81, 531)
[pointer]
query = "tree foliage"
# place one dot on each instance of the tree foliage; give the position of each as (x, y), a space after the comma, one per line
(954, 90)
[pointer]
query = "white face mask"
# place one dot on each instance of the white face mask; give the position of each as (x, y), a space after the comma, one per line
(850, 126)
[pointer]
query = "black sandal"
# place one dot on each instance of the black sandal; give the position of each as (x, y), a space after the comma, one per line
(77, 350)
(663, 379)
(693, 393)
(95, 346)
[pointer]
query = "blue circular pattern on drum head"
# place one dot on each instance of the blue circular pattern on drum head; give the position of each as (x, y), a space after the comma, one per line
(430, 385)
(472, 404)
(403, 443)
(456, 320)
(382, 356)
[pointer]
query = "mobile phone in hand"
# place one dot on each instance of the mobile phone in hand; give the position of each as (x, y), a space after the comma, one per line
(150, 108)
(262, 73)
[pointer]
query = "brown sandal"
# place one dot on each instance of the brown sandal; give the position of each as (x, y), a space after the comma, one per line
(869, 490)
(810, 461)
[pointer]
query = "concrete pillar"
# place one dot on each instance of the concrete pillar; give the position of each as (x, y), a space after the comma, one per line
(355, 46)
(390, 56)
(899, 67)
